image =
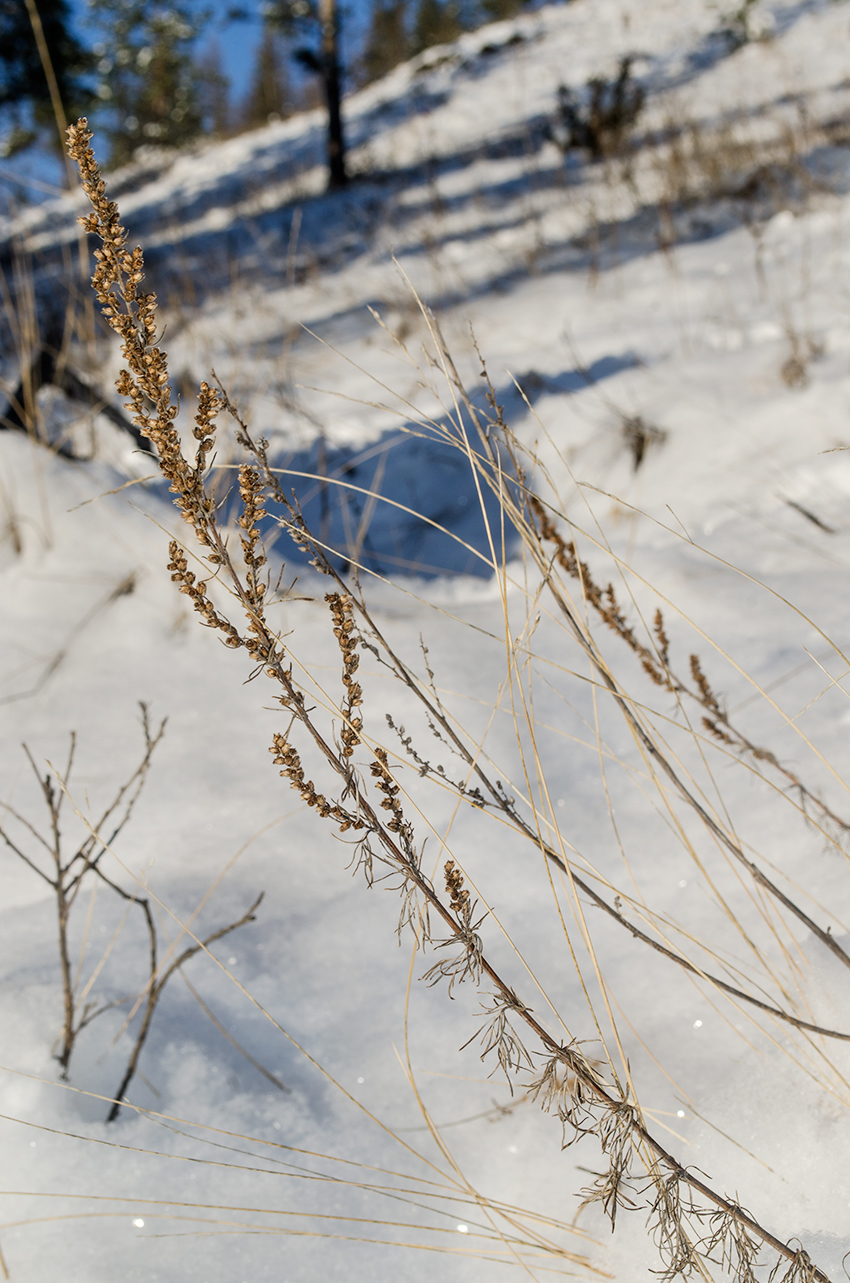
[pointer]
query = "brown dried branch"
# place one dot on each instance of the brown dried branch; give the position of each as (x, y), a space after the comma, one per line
(156, 984)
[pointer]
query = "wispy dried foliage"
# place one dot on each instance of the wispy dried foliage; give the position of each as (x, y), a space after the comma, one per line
(361, 789)
(655, 661)
(68, 875)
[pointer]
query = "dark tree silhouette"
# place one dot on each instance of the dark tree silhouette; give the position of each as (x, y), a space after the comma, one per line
(149, 80)
(24, 82)
(387, 40)
(318, 22)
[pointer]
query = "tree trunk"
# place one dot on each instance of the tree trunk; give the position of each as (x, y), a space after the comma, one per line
(329, 17)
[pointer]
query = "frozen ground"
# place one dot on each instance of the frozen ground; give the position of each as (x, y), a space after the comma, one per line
(694, 292)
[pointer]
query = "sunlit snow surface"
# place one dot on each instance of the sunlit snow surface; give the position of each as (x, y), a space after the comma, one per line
(591, 304)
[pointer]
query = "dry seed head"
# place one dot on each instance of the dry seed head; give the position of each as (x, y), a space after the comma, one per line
(603, 601)
(144, 382)
(458, 895)
(209, 404)
(719, 734)
(387, 785)
(260, 642)
(706, 695)
(661, 637)
(197, 591)
(286, 756)
(340, 606)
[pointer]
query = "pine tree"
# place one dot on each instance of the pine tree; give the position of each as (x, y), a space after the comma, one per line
(436, 22)
(496, 10)
(24, 90)
(319, 22)
(148, 76)
(214, 92)
(269, 95)
(387, 42)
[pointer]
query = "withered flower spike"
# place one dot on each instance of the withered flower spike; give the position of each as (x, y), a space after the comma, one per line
(347, 639)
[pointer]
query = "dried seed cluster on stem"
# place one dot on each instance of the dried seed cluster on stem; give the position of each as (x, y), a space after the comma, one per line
(608, 1113)
(344, 631)
(656, 664)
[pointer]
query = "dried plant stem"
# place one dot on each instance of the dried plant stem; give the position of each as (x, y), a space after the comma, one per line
(52, 83)
(156, 985)
(473, 961)
(69, 1031)
(508, 808)
(213, 1018)
(493, 471)
(569, 1083)
(573, 1063)
(497, 796)
(652, 750)
(657, 664)
(66, 879)
(67, 874)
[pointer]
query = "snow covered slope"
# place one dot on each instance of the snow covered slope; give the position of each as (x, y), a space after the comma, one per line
(668, 332)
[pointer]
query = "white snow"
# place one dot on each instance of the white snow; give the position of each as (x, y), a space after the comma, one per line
(684, 312)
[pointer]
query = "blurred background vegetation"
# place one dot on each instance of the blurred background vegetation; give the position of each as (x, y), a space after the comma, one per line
(149, 73)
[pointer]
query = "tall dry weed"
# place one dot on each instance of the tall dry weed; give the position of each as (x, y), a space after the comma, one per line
(329, 752)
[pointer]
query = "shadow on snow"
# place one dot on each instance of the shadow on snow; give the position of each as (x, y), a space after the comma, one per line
(410, 502)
